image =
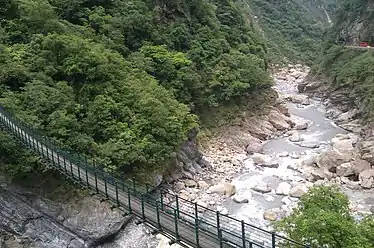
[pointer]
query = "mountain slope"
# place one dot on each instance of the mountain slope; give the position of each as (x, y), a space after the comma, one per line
(121, 81)
(347, 69)
(293, 28)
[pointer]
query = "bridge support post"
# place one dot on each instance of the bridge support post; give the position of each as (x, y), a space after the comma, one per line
(106, 187)
(273, 240)
(95, 175)
(116, 186)
(64, 160)
(220, 238)
(176, 225)
(79, 170)
(196, 225)
(47, 152)
(133, 184)
(129, 200)
(162, 200)
(58, 162)
(218, 222)
(158, 216)
(243, 234)
(71, 169)
(86, 170)
(143, 214)
(177, 205)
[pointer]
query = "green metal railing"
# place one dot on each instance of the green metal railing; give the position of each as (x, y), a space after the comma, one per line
(209, 228)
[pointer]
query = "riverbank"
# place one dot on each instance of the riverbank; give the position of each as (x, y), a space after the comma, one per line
(261, 168)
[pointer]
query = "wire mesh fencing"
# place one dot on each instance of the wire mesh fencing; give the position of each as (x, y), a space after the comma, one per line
(193, 224)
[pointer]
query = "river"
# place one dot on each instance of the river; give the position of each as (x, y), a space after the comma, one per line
(289, 155)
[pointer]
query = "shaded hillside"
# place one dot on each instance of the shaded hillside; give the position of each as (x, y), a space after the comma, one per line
(293, 28)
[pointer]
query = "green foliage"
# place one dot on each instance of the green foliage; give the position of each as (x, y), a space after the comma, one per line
(323, 217)
(14, 159)
(120, 80)
(293, 28)
(352, 69)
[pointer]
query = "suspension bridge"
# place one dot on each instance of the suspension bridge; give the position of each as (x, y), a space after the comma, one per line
(200, 227)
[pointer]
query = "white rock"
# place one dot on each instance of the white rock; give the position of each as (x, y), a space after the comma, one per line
(227, 189)
(268, 215)
(222, 210)
(262, 188)
(295, 137)
(283, 188)
(242, 198)
(190, 183)
(283, 154)
(203, 185)
(269, 198)
(179, 186)
(286, 200)
(298, 191)
(264, 160)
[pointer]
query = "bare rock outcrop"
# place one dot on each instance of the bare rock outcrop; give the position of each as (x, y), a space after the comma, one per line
(45, 224)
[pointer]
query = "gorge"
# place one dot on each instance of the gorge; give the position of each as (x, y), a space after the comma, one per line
(252, 160)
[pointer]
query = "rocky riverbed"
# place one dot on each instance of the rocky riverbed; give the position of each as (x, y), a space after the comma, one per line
(260, 168)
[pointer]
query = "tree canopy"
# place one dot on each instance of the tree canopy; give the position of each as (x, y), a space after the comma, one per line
(323, 217)
(124, 81)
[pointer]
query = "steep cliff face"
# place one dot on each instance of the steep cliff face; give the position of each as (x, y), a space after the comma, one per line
(354, 21)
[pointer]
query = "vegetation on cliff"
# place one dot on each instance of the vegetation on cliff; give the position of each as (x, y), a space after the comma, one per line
(350, 68)
(125, 81)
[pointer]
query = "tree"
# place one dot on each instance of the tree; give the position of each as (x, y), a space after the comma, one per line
(323, 217)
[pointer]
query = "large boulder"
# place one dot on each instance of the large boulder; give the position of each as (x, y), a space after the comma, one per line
(367, 150)
(342, 144)
(300, 123)
(81, 222)
(227, 189)
(278, 120)
(345, 170)
(190, 183)
(298, 191)
(264, 160)
(269, 215)
(299, 99)
(360, 165)
(242, 197)
(331, 160)
(254, 146)
(321, 174)
(262, 188)
(366, 179)
(295, 137)
(283, 188)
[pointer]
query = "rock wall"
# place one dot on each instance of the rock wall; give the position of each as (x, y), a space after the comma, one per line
(187, 162)
(30, 221)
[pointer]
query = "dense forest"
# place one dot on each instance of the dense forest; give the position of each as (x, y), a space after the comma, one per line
(125, 81)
